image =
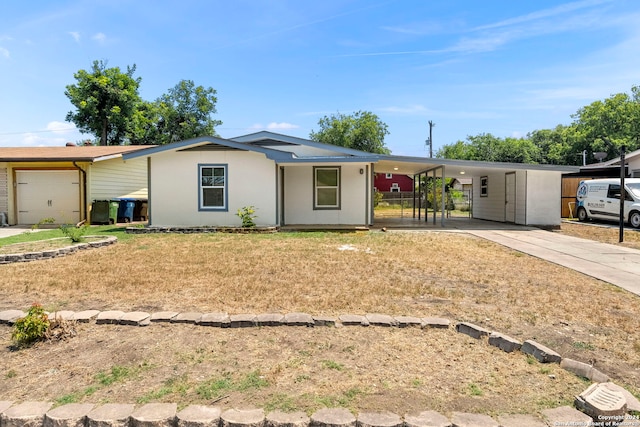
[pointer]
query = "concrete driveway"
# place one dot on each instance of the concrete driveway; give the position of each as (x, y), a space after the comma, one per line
(614, 264)
(15, 229)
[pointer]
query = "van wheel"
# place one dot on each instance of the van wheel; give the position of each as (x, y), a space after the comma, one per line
(582, 215)
(634, 219)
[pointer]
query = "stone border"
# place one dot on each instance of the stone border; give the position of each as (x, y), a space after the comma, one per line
(54, 253)
(223, 320)
(36, 414)
(195, 230)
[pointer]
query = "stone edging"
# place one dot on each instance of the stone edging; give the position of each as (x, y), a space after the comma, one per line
(54, 253)
(36, 414)
(194, 230)
(224, 320)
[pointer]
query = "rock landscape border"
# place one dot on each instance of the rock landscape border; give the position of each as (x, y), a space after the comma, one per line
(54, 253)
(127, 416)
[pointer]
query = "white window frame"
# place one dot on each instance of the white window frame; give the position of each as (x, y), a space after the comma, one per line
(389, 176)
(224, 186)
(316, 187)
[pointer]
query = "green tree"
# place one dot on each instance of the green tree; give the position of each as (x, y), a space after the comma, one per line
(185, 112)
(489, 148)
(617, 119)
(106, 100)
(362, 131)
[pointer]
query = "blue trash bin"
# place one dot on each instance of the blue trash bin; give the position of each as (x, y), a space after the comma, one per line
(125, 210)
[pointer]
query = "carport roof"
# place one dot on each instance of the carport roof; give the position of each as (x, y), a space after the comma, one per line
(456, 168)
(66, 154)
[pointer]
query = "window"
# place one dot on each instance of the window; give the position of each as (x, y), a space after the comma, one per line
(213, 187)
(326, 187)
(484, 186)
(395, 188)
(614, 191)
(389, 175)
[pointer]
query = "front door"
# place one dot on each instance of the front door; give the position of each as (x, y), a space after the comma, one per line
(510, 197)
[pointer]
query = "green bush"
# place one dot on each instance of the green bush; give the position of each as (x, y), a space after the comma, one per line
(33, 327)
(76, 234)
(377, 198)
(247, 216)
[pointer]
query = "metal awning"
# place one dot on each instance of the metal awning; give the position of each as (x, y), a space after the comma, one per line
(456, 168)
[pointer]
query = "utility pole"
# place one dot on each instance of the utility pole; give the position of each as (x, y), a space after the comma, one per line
(430, 140)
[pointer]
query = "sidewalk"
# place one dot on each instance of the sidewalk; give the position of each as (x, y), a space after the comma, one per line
(617, 265)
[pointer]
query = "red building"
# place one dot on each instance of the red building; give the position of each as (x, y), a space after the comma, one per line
(388, 182)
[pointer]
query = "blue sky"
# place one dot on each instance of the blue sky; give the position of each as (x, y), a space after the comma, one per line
(500, 67)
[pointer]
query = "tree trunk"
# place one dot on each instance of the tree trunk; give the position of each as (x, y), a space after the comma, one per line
(103, 137)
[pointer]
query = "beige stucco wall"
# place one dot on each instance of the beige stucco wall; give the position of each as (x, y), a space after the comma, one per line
(537, 198)
(174, 188)
(354, 196)
(634, 166)
(544, 192)
(490, 207)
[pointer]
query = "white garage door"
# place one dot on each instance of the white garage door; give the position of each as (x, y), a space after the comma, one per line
(45, 194)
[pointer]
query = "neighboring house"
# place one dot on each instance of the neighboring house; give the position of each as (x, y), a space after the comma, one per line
(632, 161)
(62, 182)
(294, 181)
(607, 169)
(394, 183)
(462, 184)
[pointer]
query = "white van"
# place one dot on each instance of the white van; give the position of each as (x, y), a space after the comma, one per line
(600, 198)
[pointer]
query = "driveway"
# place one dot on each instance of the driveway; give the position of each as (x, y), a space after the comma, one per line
(613, 264)
(14, 230)
(617, 265)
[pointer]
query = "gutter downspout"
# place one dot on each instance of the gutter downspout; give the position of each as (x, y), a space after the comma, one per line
(84, 191)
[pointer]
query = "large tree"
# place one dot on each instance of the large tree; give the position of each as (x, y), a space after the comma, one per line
(616, 119)
(185, 112)
(362, 131)
(600, 126)
(486, 147)
(106, 100)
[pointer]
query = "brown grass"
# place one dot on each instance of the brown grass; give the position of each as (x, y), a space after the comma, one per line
(422, 274)
(601, 232)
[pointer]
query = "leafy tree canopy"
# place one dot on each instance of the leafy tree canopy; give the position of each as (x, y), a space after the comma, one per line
(109, 107)
(105, 99)
(362, 131)
(615, 119)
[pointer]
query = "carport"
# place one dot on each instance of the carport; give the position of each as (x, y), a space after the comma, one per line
(516, 193)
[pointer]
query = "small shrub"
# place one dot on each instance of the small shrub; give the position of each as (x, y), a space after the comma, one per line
(33, 327)
(76, 234)
(377, 198)
(43, 221)
(246, 214)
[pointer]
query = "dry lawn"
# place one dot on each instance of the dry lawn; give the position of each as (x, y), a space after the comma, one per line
(456, 276)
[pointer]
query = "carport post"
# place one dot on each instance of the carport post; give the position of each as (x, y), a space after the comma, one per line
(443, 198)
(414, 195)
(623, 192)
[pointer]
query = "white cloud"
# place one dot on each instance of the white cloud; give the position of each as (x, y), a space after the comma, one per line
(33, 140)
(544, 13)
(273, 126)
(419, 28)
(75, 35)
(60, 127)
(4, 52)
(100, 37)
(283, 125)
